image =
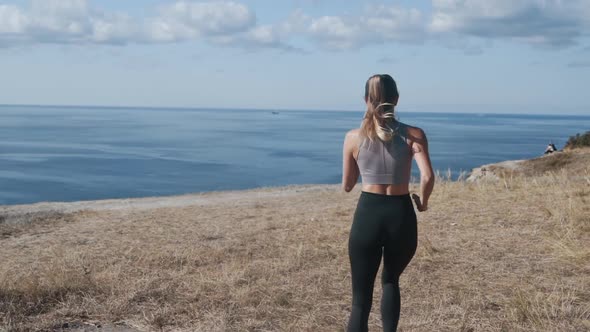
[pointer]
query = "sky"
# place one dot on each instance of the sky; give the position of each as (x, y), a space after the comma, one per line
(498, 56)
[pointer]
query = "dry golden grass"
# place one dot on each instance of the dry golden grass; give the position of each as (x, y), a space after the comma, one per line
(573, 161)
(511, 255)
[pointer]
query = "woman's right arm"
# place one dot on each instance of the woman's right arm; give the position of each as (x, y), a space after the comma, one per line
(350, 170)
(420, 150)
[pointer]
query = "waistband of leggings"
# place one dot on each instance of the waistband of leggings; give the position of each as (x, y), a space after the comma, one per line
(384, 197)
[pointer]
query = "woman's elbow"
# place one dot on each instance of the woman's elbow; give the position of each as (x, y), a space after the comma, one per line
(347, 187)
(427, 178)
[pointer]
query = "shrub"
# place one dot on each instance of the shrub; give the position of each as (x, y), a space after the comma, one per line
(578, 141)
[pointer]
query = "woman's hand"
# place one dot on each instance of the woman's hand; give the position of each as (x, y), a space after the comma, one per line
(418, 202)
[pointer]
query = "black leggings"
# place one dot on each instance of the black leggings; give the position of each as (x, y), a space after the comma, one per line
(383, 225)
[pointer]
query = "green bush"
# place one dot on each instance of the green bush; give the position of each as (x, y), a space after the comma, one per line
(578, 141)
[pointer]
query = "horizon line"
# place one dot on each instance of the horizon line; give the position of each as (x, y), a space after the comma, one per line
(409, 109)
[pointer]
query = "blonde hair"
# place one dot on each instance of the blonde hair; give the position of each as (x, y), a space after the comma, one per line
(381, 96)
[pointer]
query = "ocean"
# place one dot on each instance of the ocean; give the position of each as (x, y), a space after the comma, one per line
(88, 153)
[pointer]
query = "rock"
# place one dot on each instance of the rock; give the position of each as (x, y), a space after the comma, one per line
(494, 172)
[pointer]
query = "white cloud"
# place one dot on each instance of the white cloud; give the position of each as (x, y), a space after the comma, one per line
(76, 22)
(221, 23)
(549, 23)
(378, 24)
(464, 24)
(335, 32)
(12, 20)
(469, 25)
(188, 20)
(296, 23)
(61, 16)
(395, 23)
(62, 22)
(114, 29)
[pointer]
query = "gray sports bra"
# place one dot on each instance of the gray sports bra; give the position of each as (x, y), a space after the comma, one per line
(386, 162)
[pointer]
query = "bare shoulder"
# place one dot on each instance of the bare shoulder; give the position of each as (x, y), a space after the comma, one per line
(416, 133)
(417, 138)
(351, 140)
(352, 136)
(353, 133)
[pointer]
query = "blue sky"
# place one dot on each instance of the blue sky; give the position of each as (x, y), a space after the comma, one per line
(523, 56)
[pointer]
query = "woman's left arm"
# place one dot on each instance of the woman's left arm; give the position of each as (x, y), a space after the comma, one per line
(350, 169)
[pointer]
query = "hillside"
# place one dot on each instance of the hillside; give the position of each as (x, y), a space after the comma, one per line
(573, 163)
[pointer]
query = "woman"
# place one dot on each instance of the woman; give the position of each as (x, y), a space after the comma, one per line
(384, 223)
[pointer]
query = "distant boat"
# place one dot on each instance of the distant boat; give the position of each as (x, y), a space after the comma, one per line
(275, 112)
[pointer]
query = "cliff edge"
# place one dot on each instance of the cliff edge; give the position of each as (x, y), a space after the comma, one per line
(572, 161)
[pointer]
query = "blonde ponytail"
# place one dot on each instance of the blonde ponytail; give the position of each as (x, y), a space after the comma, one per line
(381, 95)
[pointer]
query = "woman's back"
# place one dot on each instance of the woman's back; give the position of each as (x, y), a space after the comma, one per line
(386, 162)
(364, 154)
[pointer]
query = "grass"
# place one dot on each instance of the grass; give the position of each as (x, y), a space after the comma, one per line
(573, 163)
(510, 255)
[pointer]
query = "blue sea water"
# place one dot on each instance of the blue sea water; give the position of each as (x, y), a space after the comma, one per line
(85, 153)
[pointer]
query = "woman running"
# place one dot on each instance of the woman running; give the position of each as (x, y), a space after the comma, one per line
(384, 223)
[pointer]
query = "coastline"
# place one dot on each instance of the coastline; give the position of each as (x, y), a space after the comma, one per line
(16, 213)
(493, 172)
